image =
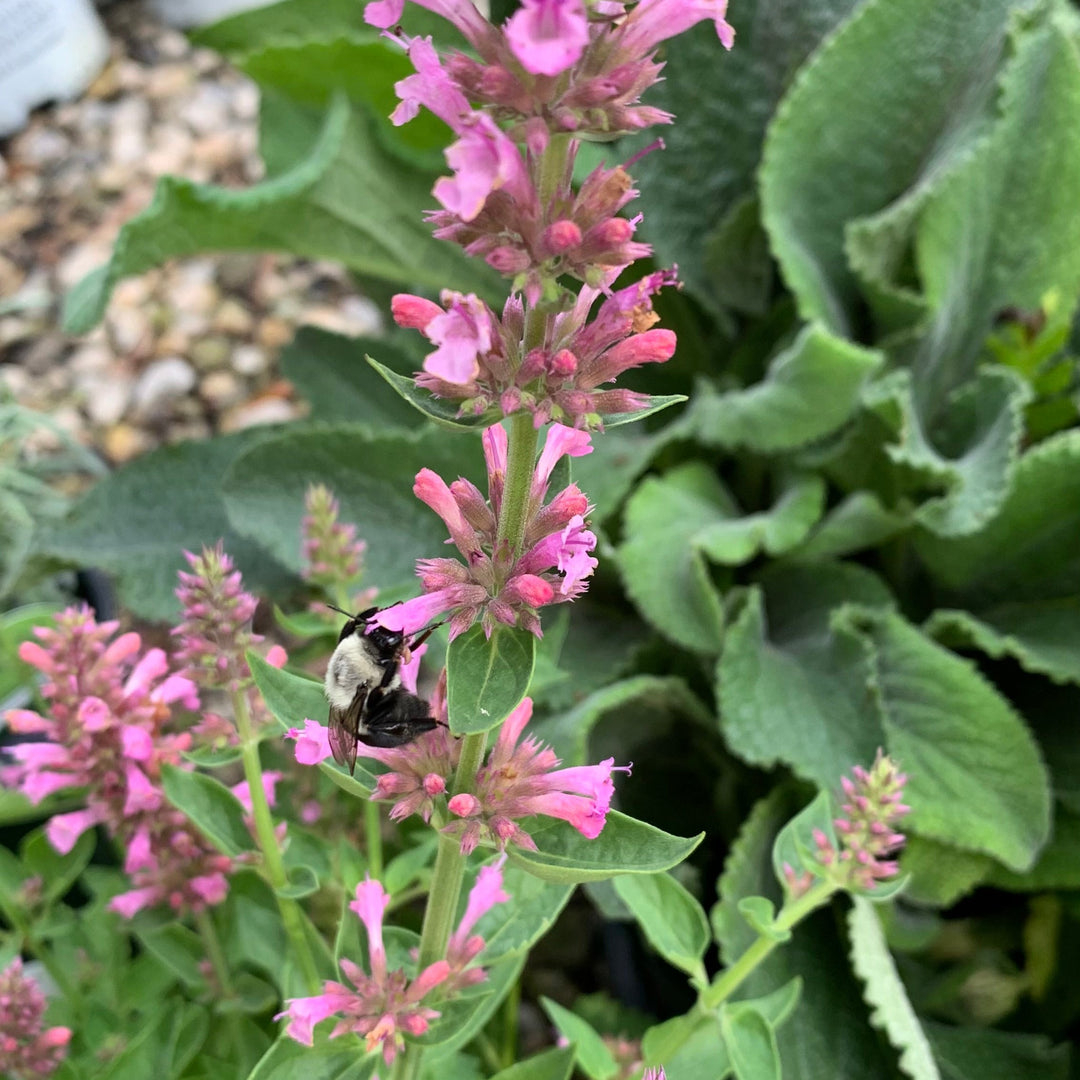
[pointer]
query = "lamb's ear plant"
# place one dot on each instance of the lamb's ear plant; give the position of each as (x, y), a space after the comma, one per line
(854, 543)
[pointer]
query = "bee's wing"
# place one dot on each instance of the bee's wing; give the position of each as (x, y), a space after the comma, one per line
(345, 729)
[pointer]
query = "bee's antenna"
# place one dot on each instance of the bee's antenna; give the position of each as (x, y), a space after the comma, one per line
(340, 611)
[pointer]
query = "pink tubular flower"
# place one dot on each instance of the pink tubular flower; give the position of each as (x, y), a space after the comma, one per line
(109, 707)
(491, 584)
(867, 829)
(465, 946)
(215, 629)
(548, 36)
(333, 557)
(520, 779)
(26, 1048)
(382, 1006)
(564, 379)
(655, 1074)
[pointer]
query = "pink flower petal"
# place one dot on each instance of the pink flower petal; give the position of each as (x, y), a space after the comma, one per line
(548, 36)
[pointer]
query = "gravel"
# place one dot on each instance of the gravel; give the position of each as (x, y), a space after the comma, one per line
(186, 350)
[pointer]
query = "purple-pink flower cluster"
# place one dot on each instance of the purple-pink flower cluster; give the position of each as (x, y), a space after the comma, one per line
(480, 362)
(491, 584)
(867, 830)
(521, 779)
(380, 1005)
(110, 702)
(333, 557)
(27, 1048)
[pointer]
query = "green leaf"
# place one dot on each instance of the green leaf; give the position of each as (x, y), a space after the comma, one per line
(1043, 637)
(653, 404)
(339, 1059)
(981, 1053)
(688, 1047)
(180, 949)
(251, 929)
(486, 678)
(1058, 865)
(554, 1064)
(794, 845)
(125, 526)
(976, 777)
(211, 806)
(442, 410)
(410, 865)
(978, 248)
(370, 474)
(1027, 550)
(939, 873)
(973, 451)
(512, 929)
(57, 872)
(672, 919)
(857, 522)
(792, 680)
(809, 391)
(293, 699)
(885, 993)
(463, 1017)
(723, 102)
(748, 872)
(760, 914)
(593, 1057)
(303, 881)
(329, 372)
(626, 846)
(345, 199)
(750, 1043)
(813, 188)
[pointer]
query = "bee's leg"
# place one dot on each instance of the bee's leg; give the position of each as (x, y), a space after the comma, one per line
(425, 634)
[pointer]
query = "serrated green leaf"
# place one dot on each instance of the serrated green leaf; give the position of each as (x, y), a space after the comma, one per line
(1027, 550)
(329, 373)
(715, 147)
(125, 526)
(487, 678)
(293, 699)
(593, 1057)
(791, 682)
(211, 806)
(370, 474)
(750, 1043)
(857, 522)
(978, 248)
(346, 199)
(1058, 865)
(625, 846)
(1043, 637)
(885, 993)
(673, 921)
(554, 1064)
(940, 874)
(809, 391)
(977, 779)
(812, 188)
(981, 1053)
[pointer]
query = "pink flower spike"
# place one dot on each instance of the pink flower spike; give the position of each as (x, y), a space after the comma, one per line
(416, 613)
(305, 1013)
(487, 891)
(484, 159)
(276, 656)
(137, 743)
(413, 312)
(312, 743)
(142, 795)
(463, 333)
(129, 904)
(548, 36)
(560, 440)
(212, 888)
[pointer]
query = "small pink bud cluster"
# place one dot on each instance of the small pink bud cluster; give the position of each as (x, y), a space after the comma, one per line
(867, 830)
(215, 629)
(110, 704)
(333, 556)
(521, 779)
(384, 1006)
(479, 359)
(655, 1074)
(492, 585)
(26, 1049)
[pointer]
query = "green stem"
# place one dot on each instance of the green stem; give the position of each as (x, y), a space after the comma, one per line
(215, 953)
(713, 996)
(520, 460)
(373, 832)
(512, 1009)
(291, 915)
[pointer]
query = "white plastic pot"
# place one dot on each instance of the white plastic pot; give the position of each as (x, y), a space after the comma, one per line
(185, 13)
(49, 49)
